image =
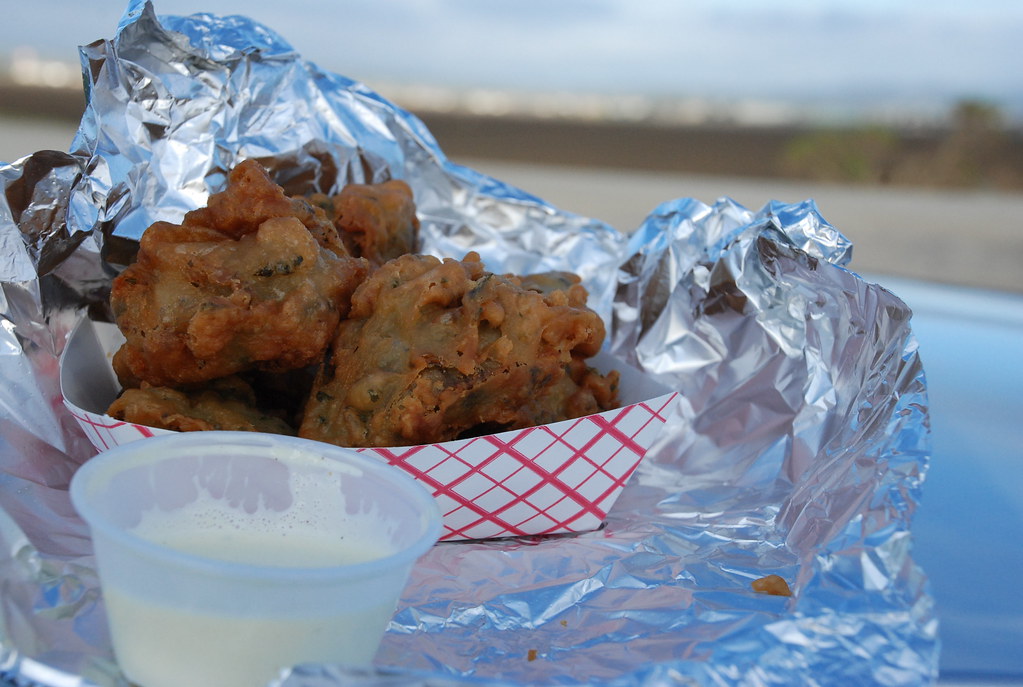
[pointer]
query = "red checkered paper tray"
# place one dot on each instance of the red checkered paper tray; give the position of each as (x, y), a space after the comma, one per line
(556, 478)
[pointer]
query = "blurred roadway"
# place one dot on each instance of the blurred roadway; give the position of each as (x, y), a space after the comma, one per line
(970, 238)
(963, 237)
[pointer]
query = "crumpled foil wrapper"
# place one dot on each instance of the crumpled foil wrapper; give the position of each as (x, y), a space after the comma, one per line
(798, 448)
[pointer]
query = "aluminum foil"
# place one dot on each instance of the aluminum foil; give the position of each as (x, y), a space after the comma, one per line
(798, 448)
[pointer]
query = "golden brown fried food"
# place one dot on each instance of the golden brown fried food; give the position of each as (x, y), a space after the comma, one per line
(239, 285)
(375, 221)
(251, 198)
(549, 282)
(226, 404)
(433, 349)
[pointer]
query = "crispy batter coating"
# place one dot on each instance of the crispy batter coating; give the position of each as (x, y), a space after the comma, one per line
(251, 198)
(226, 404)
(436, 349)
(226, 315)
(375, 221)
(255, 280)
(549, 282)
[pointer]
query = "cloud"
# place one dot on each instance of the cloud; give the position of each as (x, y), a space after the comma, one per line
(787, 48)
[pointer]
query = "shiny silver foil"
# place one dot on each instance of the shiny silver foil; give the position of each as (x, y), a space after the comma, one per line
(799, 446)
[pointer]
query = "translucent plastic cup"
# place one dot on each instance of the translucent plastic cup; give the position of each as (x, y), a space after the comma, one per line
(225, 557)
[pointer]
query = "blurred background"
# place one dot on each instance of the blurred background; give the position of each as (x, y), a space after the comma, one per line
(902, 119)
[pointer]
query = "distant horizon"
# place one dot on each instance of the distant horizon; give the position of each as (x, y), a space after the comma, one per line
(638, 108)
(835, 60)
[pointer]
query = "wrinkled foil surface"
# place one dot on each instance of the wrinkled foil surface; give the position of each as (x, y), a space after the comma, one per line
(798, 448)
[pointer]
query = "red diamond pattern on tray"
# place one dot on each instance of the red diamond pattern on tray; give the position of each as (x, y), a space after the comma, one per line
(561, 477)
(105, 432)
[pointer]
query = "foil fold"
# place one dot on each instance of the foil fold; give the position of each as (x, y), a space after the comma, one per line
(798, 447)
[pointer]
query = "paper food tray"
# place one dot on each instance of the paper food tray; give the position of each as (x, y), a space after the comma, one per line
(549, 479)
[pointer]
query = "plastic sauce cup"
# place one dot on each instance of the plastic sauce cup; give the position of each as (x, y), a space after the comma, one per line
(225, 557)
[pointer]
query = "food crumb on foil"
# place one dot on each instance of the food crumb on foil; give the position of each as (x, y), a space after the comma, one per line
(797, 445)
(771, 584)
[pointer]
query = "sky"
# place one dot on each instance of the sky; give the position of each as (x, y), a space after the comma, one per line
(848, 51)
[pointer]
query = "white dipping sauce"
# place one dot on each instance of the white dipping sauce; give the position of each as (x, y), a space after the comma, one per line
(225, 558)
(233, 651)
(275, 548)
(162, 644)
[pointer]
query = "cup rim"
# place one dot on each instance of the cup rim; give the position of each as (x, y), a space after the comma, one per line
(141, 453)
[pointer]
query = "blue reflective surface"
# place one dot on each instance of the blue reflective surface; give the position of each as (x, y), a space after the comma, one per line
(967, 530)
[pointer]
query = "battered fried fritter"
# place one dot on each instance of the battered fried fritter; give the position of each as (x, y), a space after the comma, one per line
(226, 404)
(255, 280)
(436, 349)
(375, 221)
(251, 198)
(549, 282)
